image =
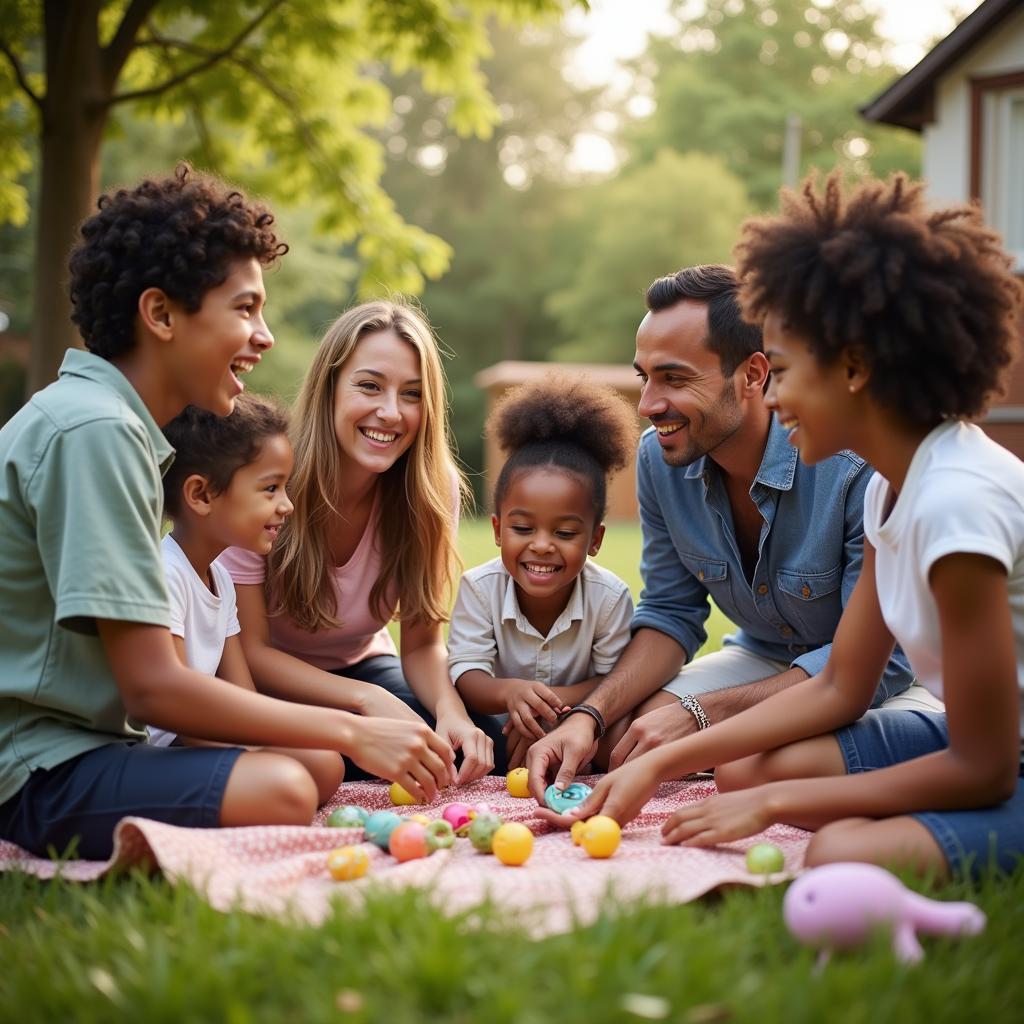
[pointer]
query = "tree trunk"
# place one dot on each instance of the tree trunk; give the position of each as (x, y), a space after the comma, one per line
(73, 118)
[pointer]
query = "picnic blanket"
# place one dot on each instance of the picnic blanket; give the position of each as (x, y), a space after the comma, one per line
(282, 870)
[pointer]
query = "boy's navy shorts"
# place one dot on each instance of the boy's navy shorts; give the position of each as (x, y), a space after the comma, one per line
(86, 796)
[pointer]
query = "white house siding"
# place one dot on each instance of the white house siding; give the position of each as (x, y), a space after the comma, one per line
(946, 155)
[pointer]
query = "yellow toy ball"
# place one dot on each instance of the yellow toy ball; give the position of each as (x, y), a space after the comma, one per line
(512, 844)
(600, 836)
(518, 782)
(420, 819)
(577, 831)
(401, 797)
(347, 862)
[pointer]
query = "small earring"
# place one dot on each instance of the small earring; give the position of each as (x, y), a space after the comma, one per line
(852, 389)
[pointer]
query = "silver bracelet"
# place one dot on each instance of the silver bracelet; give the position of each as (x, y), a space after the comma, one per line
(691, 704)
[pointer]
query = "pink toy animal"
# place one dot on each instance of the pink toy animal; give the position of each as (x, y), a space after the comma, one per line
(838, 906)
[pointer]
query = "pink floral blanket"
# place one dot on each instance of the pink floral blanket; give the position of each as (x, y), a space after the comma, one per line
(282, 870)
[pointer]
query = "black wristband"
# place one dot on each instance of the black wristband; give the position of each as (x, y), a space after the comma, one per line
(589, 709)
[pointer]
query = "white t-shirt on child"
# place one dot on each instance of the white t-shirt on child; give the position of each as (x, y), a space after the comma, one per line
(202, 619)
(963, 494)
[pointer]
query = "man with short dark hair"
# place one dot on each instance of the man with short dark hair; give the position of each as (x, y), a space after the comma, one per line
(728, 512)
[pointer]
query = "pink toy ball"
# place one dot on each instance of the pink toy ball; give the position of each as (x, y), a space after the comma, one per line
(457, 814)
(839, 906)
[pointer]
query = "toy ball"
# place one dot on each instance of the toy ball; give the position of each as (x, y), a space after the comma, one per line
(401, 797)
(512, 844)
(600, 836)
(409, 842)
(349, 816)
(562, 800)
(765, 859)
(838, 906)
(457, 814)
(518, 782)
(347, 862)
(439, 835)
(481, 831)
(379, 826)
(420, 819)
(577, 831)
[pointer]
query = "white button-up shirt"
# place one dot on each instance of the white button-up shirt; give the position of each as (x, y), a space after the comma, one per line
(490, 632)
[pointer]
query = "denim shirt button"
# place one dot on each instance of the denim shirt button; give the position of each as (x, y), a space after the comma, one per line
(786, 631)
(805, 590)
(763, 589)
(700, 574)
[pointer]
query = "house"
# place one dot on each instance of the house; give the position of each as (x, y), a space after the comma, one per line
(966, 98)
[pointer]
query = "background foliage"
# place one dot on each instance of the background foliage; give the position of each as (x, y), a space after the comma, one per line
(516, 250)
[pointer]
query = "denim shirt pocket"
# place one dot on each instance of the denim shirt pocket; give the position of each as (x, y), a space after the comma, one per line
(811, 602)
(712, 573)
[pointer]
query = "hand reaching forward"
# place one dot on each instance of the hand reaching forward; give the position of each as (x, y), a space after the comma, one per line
(621, 795)
(476, 746)
(653, 730)
(719, 819)
(409, 753)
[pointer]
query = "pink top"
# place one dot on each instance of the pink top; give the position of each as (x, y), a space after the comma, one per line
(362, 634)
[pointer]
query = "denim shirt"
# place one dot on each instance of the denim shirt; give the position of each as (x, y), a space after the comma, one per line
(809, 554)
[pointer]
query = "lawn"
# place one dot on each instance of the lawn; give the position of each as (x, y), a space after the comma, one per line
(134, 948)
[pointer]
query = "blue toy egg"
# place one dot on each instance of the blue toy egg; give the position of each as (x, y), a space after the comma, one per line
(562, 800)
(379, 826)
(349, 816)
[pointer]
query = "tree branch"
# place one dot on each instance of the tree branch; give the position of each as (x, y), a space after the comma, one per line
(19, 74)
(209, 61)
(120, 46)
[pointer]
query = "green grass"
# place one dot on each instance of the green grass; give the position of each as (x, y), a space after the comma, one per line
(135, 948)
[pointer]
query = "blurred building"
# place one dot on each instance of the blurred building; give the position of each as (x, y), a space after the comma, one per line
(497, 379)
(966, 99)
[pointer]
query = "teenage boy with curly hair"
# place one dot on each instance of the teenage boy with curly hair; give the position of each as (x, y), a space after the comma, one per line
(167, 289)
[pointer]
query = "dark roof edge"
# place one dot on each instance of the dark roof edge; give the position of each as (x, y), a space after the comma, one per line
(905, 101)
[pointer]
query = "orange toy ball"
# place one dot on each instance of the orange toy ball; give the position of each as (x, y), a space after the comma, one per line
(409, 842)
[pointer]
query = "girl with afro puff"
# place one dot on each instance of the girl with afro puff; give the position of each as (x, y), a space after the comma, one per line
(888, 327)
(533, 631)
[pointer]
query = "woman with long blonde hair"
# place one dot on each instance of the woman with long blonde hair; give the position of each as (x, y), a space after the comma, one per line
(377, 495)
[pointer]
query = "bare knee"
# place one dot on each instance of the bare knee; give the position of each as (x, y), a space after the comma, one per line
(328, 771)
(268, 789)
(830, 844)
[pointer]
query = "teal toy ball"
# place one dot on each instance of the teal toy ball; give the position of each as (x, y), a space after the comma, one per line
(765, 859)
(349, 816)
(379, 826)
(562, 800)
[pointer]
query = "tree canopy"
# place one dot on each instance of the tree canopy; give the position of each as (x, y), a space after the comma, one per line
(285, 96)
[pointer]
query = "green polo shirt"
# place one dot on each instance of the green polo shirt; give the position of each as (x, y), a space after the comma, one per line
(80, 511)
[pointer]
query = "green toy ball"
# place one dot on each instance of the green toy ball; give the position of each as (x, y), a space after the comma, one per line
(765, 859)
(481, 831)
(349, 816)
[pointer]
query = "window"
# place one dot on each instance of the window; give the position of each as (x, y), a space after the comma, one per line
(997, 164)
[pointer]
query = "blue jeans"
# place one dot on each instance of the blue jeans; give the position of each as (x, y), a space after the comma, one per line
(971, 839)
(385, 671)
